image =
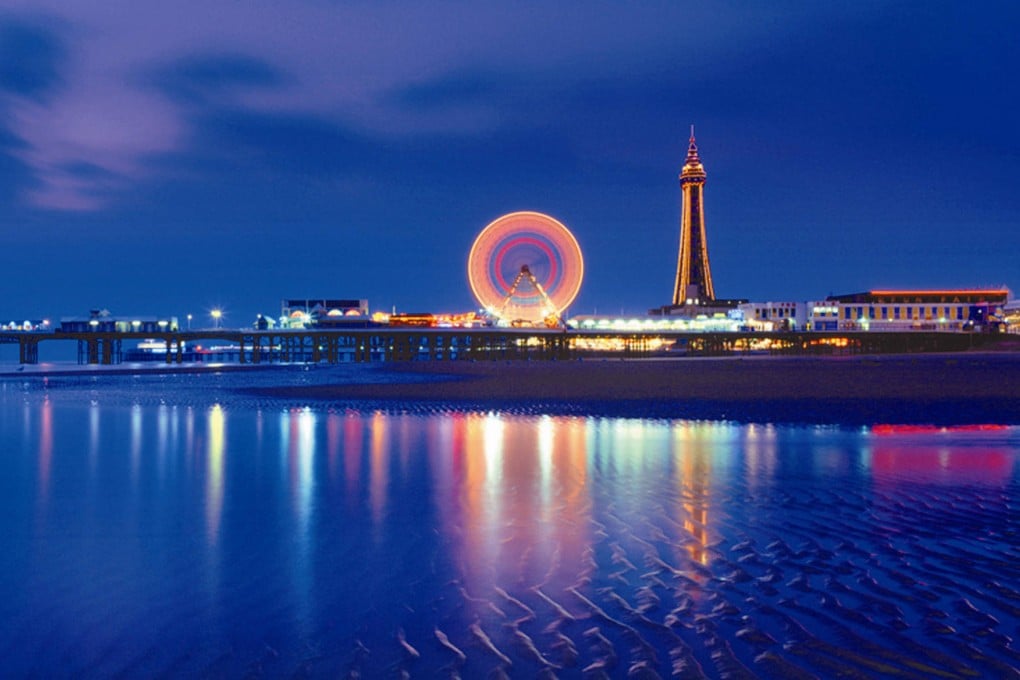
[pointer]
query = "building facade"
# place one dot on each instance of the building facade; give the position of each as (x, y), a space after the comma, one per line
(102, 321)
(906, 310)
(321, 312)
(775, 316)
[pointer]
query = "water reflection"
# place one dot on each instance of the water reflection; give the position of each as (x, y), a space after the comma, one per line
(330, 527)
(136, 443)
(378, 470)
(935, 456)
(695, 465)
(352, 442)
(216, 431)
(93, 437)
(45, 448)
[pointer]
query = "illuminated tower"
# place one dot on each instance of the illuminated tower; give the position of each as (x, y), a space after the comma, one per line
(693, 277)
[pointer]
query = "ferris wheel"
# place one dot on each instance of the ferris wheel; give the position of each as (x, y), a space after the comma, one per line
(525, 266)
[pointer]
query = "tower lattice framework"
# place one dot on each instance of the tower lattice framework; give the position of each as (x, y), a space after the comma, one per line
(693, 276)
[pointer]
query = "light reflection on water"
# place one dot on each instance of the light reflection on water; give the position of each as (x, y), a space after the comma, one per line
(226, 540)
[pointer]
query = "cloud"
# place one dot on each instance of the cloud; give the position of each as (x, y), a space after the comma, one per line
(112, 87)
(209, 79)
(30, 59)
(112, 130)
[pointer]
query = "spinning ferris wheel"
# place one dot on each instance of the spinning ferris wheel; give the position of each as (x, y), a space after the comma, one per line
(526, 266)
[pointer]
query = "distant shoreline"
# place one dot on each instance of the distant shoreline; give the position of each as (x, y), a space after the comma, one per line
(53, 370)
(918, 388)
(979, 387)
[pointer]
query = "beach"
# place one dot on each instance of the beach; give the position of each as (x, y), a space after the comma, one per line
(913, 388)
(947, 388)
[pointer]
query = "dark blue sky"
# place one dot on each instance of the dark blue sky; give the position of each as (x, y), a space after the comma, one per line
(173, 157)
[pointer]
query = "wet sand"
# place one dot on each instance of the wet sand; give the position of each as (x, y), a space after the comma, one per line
(914, 388)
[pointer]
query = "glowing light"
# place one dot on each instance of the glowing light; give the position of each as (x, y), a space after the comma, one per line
(214, 473)
(492, 450)
(949, 291)
(216, 315)
(525, 239)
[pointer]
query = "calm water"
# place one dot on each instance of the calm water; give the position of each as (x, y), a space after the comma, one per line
(167, 526)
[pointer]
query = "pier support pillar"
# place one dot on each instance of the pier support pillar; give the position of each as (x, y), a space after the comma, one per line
(28, 351)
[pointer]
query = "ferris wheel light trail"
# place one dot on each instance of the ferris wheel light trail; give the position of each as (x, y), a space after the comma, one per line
(525, 266)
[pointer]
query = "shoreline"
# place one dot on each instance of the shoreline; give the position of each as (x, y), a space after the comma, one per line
(57, 370)
(931, 388)
(942, 388)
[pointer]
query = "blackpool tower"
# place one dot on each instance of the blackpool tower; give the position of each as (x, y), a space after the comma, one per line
(693, 277)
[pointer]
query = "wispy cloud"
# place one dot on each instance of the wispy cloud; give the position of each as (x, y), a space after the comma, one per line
(94, 92)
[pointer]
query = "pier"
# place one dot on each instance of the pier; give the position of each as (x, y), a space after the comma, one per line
(249, 346)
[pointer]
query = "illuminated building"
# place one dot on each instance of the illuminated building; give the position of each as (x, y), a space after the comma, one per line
(101, 321)
(693, 276)
(322, 312)
(774, 316)
(1011, 316)
(905, 310)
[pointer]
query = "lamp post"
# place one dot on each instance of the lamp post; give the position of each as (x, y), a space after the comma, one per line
(189, 322)
(216, 314)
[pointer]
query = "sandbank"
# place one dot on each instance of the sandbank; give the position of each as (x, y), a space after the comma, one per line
(959, 387)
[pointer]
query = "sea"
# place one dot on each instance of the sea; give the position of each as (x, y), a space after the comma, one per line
(178, 526)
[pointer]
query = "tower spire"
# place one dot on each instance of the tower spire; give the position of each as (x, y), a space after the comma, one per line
(692, 150)
(693, 284)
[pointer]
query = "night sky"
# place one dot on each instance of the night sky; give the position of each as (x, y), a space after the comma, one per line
(173, 157)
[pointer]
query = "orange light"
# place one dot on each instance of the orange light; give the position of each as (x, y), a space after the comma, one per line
(962, 291)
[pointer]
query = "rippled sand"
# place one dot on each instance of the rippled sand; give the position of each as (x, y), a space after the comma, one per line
(902, 388)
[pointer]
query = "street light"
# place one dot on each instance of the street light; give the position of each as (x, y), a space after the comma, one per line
(216, 314)
(189, 322)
